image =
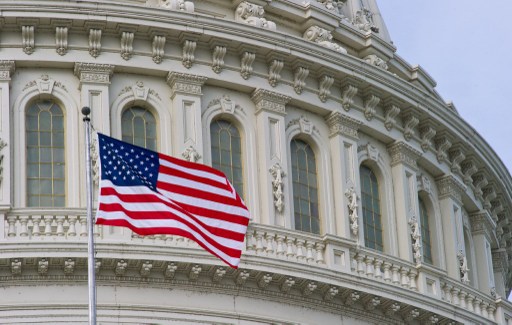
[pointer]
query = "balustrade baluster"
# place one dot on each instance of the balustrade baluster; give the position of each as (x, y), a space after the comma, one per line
(269, 240)
(300, 251)
(387, 272)
(280, 245)
(309, 251)
(412, 279)
(259, 241)
(23, 226)
(478, 311)
(491, 310)
(289, 247)
(360, 264)
(36, 229)
(470, 298)
(455, 296)
(369, 266)
(83, 226)
(483, 308)
(11, 220)
(462, 299)
(48, 225)
(396, 274)
(378, 266)
(249, 244)
(72, 226)
(60, 225)
(404, 282)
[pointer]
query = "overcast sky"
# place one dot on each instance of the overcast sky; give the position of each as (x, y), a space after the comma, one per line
(466, 46)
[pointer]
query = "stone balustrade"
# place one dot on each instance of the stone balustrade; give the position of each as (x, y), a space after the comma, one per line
(465, 297)
(275, 244)
(375, 265)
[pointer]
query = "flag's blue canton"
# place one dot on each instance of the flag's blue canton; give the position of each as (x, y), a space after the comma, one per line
(127, 165)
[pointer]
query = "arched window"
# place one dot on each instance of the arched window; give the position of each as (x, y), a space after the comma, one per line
(226, 150)
(372, 218)
(305, 187)
(138, 127)
(45, 155)
(425, 233)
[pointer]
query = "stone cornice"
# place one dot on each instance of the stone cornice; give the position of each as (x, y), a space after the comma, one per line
(482, 223)
(7, 68)
(269, 101)
(94, 72)
(449, 187)
(184, 83)
(402, 153)
(340, 124)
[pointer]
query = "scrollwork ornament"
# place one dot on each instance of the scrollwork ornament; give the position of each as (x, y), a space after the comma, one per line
(277, 186)
(3, 144)
(352, 210)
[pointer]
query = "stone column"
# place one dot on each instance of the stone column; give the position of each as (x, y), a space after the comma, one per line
(450, 202)
(404, 170)
(343, 134)
(94, 92)
(186, 113)
(482, 230)
(6, 71)
(271, 152)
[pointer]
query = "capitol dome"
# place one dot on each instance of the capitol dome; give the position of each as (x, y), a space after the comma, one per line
(372, 201)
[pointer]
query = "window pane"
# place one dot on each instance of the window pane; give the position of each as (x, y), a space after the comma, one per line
(45, 154)
(305, 187)
(425, 232)
(138, 127)
(226, 152)
(370, 203)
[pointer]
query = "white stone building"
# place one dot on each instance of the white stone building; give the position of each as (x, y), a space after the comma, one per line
(372, 200)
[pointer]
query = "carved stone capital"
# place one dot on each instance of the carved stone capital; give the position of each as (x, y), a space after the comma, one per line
(340, 124)
(93, 72)
(402, 153)
(269, 101)
(482, 224)
(184, 83)
(449, 187)
(7, 68)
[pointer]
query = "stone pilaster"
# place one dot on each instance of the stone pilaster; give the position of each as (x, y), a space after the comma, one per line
(450, 202)
(343, 136)
(482, 230)
(6, 71)
(271, 152)
(404, 170)
(186, 94)
(94, 92)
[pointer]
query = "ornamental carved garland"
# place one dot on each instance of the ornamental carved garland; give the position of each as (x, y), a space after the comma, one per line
(191, 154)
(3, 144)
(416, 238)
(463, 267)
(277, 186)
(352, 210)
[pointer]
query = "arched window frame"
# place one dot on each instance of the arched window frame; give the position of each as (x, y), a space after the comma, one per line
(155, 106)
(382, 171)
(435, 224)
(320, 147)
(469, 249)
(74, 132)
(147, 110)
(246, 126)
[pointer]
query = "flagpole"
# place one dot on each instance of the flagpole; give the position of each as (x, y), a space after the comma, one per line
(90, 224)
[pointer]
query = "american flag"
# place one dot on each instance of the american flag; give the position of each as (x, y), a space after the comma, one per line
(152, 193)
